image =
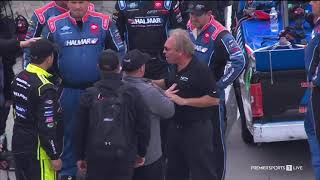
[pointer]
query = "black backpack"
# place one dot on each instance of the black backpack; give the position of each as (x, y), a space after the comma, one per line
(108, 127)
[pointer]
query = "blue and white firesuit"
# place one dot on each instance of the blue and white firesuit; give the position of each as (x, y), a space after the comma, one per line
(311, 123)
(215, 46)
(80, 44)
(38, 22)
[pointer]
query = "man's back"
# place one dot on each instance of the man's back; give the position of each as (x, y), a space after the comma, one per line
(159, 107)
(132, 111)
(35, 106)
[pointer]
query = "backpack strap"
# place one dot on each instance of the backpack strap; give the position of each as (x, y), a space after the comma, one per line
(95, 91)
(119, 91)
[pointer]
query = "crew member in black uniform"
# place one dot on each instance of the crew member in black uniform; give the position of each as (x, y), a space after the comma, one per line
(144, 25)
(192, 88)
(35, 141)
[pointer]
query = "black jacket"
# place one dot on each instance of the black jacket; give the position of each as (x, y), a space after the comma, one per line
(8, 47)
(139, 130)
(144, 25)
(35, 103)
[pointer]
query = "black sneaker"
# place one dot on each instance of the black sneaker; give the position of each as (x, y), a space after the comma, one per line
(67, 178)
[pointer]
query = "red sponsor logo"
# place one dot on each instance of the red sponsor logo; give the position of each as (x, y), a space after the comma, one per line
(94, 28)
(206, 38)
(49, 119)
(158, 4)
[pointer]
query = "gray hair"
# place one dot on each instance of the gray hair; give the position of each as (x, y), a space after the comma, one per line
(183, 41)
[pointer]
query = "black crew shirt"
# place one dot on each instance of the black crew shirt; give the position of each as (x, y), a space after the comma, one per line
(194, 81)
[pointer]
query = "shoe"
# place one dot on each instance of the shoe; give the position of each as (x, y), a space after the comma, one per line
(68, 178)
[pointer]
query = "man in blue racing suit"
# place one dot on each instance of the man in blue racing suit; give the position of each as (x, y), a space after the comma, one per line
(39, 20)
(81, 35)
(312, 121)
(216, 47)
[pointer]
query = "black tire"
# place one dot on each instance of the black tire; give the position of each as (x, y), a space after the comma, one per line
(245, 133)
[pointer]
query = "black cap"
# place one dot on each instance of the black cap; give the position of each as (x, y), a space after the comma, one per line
(40, 50)
(198, 8)
(134, 59)
(109, 60)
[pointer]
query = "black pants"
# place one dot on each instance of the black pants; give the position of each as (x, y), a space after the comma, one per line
(315, 98)
(29, 168)
(152, 171)
(99, 169)
(218, 143)
(191, 151)
(4, 112)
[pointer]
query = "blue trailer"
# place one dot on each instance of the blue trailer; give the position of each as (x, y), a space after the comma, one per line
(272, 93)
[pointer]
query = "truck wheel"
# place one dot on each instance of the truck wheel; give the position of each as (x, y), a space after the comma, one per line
(245, 133)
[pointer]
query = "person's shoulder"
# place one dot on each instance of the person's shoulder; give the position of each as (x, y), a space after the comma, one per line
(105, 19)
(52, 22)
(198, 63)
(130, 91)
(42, 11)
(46, 87)
(200, 67)
(219, 29)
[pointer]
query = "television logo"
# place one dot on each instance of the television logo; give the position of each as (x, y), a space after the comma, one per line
(288, 167)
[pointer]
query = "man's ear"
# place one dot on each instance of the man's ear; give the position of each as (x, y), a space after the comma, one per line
(209, 13)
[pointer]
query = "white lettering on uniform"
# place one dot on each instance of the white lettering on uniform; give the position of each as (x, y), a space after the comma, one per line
(22, 86)
(23, 82)
(79, 42)
(201, 49)
(20, 109)
(20, 95)
(147, 21)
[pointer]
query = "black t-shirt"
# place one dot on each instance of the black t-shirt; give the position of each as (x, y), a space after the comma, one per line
(194, 81)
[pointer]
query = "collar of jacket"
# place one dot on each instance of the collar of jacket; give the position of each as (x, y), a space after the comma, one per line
(135, 79)
(205, 27)
(37, 70)
(110, 76)
(109, 80)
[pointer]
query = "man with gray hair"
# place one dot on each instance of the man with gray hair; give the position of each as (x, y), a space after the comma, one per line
(193, 90)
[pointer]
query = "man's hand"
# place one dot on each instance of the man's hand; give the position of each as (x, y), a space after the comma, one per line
(171, 93)
(8, 103)
(2, 141)
(139, 161)
(56, 164)
(1, 148)
(82, 166)
(29, 42)
(178, 100)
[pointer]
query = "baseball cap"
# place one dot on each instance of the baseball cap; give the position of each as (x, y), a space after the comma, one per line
(40, 50)
(109, 60)
(134, 59)
(198, 8)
